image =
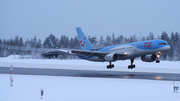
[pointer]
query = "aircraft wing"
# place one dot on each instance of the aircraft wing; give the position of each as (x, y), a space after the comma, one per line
(77, 52)
(89, 53)
(93, 53)
(56, 52)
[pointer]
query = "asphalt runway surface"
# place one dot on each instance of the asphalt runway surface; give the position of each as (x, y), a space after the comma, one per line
(91, 73)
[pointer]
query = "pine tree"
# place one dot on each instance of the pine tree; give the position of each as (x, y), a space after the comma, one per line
(101, 42)
(71, 43)
(113, 39)
(64, 41)
(16, 41)
(108, 41)
(164, 36)
(4, 42)
(76, 43)
(150, 36)
(120, 40)
(143, 38)
(135, 39)
(21, 43)
(93, 41)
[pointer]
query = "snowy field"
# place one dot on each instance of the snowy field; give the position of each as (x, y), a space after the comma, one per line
(59, 88)
(56, 88)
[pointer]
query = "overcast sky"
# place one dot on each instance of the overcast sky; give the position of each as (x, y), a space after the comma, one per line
(28, 18)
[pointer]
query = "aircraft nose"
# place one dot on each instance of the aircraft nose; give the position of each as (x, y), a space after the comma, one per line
(168, 47)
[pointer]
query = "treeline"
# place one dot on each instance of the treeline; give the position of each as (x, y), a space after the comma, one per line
(30, 46)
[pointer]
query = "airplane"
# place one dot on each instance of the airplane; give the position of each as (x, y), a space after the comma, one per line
(149, 51)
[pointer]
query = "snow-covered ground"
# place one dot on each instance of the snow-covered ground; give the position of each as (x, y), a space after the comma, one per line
(59, 88)
(56, 88)
(162, 67)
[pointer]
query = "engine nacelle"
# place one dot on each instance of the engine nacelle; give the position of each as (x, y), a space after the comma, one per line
(111, 57)
(149, 58)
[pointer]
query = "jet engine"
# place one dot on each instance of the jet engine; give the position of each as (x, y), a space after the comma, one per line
(111, 57)
(149, 58)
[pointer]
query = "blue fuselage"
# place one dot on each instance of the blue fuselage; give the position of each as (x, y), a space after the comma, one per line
(133, 50)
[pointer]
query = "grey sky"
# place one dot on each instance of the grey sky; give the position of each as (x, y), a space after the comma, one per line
(95, 17)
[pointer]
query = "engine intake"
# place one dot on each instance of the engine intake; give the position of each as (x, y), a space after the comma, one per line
(111, 57)
(149, 58)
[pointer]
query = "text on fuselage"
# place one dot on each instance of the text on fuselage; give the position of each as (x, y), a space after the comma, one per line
(147, 44)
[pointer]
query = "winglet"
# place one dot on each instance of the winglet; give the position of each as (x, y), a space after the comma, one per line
(51, 43)
(83, 41)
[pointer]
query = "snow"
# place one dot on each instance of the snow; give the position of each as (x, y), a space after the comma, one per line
(162, 67)
(57, 88)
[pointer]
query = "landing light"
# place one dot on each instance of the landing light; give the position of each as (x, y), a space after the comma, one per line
(158, 56)
(159, 53)
(158, 77)
(126, 77)
(125, 53)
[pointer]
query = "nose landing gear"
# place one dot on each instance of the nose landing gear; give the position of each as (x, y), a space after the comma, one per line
(158, 56)
(157, 61)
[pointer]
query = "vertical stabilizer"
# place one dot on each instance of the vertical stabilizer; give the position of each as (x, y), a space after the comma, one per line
(51, 43)
(84, 42)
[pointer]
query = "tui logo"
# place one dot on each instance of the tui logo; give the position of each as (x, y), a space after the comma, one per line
(83, 43)
(147, 44)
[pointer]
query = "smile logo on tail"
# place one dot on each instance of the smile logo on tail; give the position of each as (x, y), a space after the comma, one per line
(83, 43)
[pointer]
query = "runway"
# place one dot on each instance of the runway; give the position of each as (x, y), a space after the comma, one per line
(91, 73)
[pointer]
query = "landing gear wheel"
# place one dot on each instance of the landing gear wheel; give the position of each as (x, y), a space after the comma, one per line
(110, 66)
(129, 67)
(157, 61)
(132, 65)
(107, 66)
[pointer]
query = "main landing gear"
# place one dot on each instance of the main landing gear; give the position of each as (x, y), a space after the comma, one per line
(110, 66)
(132, 65)
(157, 61)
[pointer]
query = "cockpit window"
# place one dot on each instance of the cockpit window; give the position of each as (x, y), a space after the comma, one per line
(162, 43)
